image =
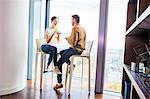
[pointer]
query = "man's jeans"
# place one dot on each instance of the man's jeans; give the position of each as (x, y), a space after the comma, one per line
(52, 51)
(65, 55)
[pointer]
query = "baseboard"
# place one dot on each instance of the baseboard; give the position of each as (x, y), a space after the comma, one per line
(12, 90)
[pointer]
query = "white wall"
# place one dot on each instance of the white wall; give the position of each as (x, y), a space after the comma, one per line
(14, 39)
(0, 39)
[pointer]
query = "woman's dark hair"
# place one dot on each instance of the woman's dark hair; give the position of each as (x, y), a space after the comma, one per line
(76, 17)
(53, 18)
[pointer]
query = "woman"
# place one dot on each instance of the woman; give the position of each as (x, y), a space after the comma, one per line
(51, 36)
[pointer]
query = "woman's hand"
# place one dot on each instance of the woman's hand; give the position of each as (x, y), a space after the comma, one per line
(66, 37)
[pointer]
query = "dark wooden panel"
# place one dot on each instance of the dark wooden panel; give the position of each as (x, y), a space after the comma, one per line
(131, 14)
(141, 26)
(146, 23)
(138, 37)
(129, 55)
(143, 6)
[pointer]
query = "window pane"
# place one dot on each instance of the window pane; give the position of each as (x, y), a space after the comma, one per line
(88, 10)
(115, 45)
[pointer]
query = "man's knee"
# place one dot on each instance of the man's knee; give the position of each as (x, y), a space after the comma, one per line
(55, 49)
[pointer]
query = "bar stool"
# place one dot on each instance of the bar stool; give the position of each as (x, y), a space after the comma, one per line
(85, 54)
(39, 42)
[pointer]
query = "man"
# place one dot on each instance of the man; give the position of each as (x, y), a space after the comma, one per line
(51, 37)
(77, 43)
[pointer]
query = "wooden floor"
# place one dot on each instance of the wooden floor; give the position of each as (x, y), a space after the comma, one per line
(78, 90)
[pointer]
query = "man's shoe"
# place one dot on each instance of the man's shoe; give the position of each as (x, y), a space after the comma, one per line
(71, 68)
(58, 86)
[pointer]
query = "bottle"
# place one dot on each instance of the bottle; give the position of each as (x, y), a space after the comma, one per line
(137, 65)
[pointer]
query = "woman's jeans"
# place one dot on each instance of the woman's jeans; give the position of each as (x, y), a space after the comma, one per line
(52, 51)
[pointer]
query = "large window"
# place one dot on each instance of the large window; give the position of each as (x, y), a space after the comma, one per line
(115, 45)
(37, 19)
(88, 10)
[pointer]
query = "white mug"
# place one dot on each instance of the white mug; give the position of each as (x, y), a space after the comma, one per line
(141, 66)
(133, 65)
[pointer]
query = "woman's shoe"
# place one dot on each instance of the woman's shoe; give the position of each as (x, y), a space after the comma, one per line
(46, 69)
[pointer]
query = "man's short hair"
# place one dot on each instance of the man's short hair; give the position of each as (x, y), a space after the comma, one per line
(76, 17)
(53, 18)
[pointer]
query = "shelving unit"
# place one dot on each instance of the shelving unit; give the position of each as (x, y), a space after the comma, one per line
(137, 33)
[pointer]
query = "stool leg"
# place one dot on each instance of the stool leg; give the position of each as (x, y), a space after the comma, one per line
(89, 78)
(44, 62)
(70, 78)
(66, 77)
(35, 70)
(82, 73)
(41, 75)
(52, 68)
